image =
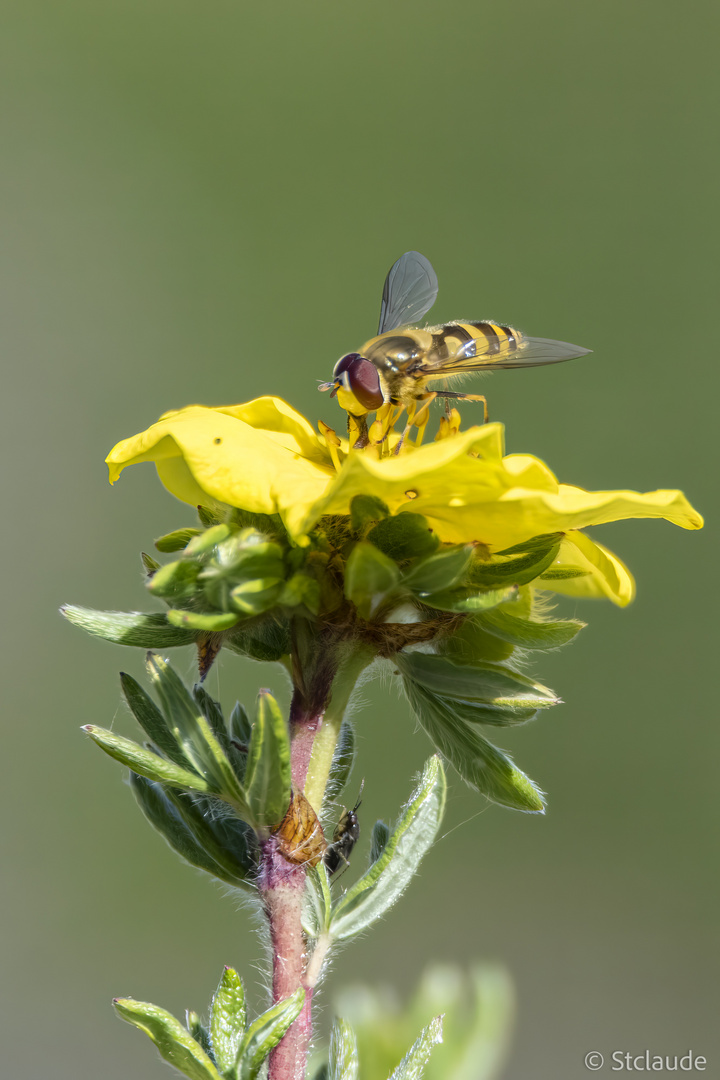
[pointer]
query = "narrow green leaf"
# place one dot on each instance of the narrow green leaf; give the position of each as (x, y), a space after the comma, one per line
(208, 517)
(301, 588)
(517, 569)
(343, 1052)
(365, 510)
(563, 573)
(480, 764)
(413, 1064)
(227, 1021)
(438, 572)
(476, 712)
(183, 828)
(224, 837)
(536, 543)
(193, 731)
(343, 759)
(176, 581)
(369, 577)
(464, 601)
(239, 724)
(529, 633)
(144, 762)
(175, 541)
(265, 1033)
(257, 595)
(267, 775)
(150, 565)
(404, 536)
(173, 1040)
(317, 902)
(266, 640)
(211, 711)
(409, 841)
(153, 722)
(378, 840)
(208, 623)
(148, 631)
(493, 684)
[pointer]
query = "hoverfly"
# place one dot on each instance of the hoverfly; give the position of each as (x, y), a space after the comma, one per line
(345, 837)
(398, 364)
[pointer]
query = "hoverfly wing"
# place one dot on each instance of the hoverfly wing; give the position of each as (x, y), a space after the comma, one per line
(410, 290)
(490, 349)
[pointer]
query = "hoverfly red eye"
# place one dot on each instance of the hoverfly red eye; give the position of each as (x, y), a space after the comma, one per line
(344, 363)
(364, 382)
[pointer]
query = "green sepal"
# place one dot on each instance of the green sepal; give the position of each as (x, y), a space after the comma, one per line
(370, 577)
(492, 684)
(516, 569)
(379, 888)
(563, 573)
(438, 572)
(144, 762)
(267, 639)
(147, 631)
(174, 1041)
(378, 840)
(256, 595)
(530, 633)
(471, 641)
(482, 765)
(540, 543)
(413, 1064)
(175, 541)
(268, 779)
(176, 581)
(199, 839)
(404, 536)
(193, 731)
(476, 712)
(153, 722)
(202, 542)
(227, 1021)
(463, 601)
(343, 1052)
(208, 517)
(265, 1033)
(301, 588)
(150, 565)
(366, 511)
(212, 623)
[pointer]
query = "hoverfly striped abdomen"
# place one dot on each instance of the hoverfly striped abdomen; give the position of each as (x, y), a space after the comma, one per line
(467, 339)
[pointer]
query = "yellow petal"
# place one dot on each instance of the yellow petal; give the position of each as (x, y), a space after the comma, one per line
(605, 575)
(202, 452)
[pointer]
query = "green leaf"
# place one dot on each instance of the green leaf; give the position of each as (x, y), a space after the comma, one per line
(257, 595)
(365, 510)
(181, 823)
(208, 517)
(227, 1021)
(529, 633)
(150, 565)
(492, 684)
(438, 572)
(317, 901)
(370, 577)
(378, 840)
(212, 712)
(173, 1041)
(153, 722)
(413, 1064)
(212, 623)
(148, 631)
(517, 570)
(203, 542)
(343, 759)
(343, 1052)
(464, 601)
(404, 536)
(199, 1033)
(267, 775)
(176, 581)
(144, 762)
(175, 541)
(387, 878)
(193, 731)
(301, 588)
(265, 1033)
(225, 838)
(563, 573)
(540, 543)
(480, 764)
(475, 712)
(266, 640)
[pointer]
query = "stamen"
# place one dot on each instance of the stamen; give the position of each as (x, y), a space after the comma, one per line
(332, 441)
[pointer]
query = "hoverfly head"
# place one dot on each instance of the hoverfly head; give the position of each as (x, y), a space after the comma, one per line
(357, 378)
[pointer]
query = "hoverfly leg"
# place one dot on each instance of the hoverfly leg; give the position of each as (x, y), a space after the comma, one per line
(465, 397)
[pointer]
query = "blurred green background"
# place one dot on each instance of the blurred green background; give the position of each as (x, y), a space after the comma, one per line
(200, 204)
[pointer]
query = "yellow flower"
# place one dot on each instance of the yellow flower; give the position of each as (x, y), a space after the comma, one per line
(265, 457)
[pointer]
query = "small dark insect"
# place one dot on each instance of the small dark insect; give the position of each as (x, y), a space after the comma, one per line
(299, 835)
(345, 837)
